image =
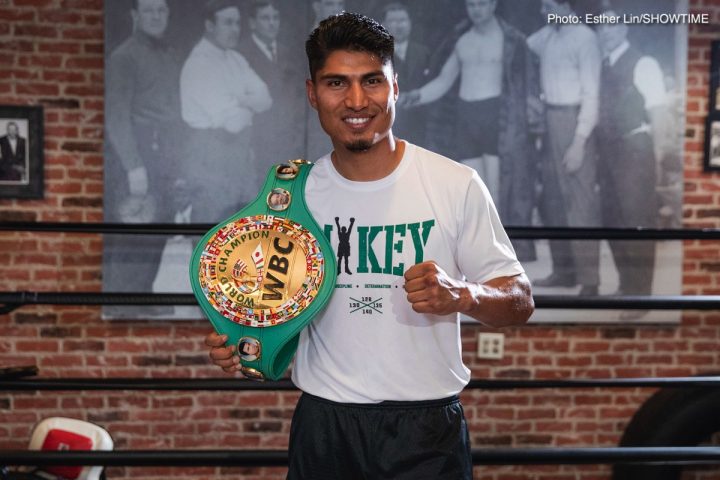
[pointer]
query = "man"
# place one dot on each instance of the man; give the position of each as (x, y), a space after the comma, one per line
(275, 136)
(143, 130)
(386, 408)
(570, 76)
(632, 124)
(326, 8)
(13, 155)
(495, 70)
(412, 60)
(220, 94)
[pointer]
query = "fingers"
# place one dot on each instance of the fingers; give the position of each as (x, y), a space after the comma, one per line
(420, 270)
(421, 276)
(215, 340)
(222, 356)
(430, 290)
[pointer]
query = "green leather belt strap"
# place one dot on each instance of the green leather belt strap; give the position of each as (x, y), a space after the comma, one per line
(262, 275)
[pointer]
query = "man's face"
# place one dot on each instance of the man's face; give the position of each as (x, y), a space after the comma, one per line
(225, 30)
(325, 8)
(480, 11)
(12, 130)
(249, 349)
(551, 6)
(354, 94)
(151, 17)
(398, 24)
(266, 23)
(611, 35)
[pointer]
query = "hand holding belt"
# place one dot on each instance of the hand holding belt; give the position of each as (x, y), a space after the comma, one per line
(262, 275)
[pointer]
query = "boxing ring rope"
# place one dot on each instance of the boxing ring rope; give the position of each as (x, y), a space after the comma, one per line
(218, 384)
(10, 301)
(553, 233)
(278, 458)
(256, 458)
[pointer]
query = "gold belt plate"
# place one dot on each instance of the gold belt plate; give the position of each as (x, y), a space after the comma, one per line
(261, 271)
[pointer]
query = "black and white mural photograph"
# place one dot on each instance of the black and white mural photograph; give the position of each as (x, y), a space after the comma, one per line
(575, 125)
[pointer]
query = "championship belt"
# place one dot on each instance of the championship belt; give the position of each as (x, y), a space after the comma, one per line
(262, 275)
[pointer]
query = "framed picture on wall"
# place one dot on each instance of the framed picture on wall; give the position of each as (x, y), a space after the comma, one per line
(21, 151)
(715, 76)
(712, 142)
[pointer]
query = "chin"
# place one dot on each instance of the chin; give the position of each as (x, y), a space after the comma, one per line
(359, 146)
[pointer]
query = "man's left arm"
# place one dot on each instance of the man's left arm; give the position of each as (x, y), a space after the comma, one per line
(589, 62)
(500, 302)
(648, 79)
(256, 95)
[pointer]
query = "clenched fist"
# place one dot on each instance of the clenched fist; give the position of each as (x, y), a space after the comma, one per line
(431, 290)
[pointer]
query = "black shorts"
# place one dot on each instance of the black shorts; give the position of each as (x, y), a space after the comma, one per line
(389, 440)
(477, 128)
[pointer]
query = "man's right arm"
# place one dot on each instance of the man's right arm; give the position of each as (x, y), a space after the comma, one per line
(439, 86)
(121, 82)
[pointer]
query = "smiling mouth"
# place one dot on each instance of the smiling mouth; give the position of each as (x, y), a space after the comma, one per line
(357, 121)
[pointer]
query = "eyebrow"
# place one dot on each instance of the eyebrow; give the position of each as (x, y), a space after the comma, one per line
(340, 76)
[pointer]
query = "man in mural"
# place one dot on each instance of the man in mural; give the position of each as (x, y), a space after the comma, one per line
(326, 8)
(13, 154)
(497, 78)
(220, 95)
(632, 124)
(381, 407)
(142, 128)
(570, 76)
(275, 136)
(412, 61)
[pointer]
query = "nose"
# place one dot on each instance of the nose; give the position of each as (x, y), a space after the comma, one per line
(356, 98)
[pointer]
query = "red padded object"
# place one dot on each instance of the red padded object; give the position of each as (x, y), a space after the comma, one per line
(57, 439)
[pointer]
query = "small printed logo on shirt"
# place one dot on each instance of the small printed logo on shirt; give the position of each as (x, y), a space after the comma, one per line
(366, 305)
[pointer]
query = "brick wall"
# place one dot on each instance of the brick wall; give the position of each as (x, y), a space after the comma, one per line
(51, 53)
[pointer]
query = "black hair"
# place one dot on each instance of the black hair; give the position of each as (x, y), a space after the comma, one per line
(213, 6)
(571, 3)
(257, 5)
(348, 31)
(393, 6)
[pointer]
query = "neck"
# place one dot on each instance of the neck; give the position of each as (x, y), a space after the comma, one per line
(375, 163)
(485, 26)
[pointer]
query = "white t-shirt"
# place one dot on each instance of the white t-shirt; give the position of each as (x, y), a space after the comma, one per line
(368, 345)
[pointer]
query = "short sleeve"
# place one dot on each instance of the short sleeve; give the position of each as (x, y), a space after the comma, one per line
(648, 79)
(484, 250)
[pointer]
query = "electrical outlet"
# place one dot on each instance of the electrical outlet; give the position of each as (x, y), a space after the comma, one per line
(491, 345)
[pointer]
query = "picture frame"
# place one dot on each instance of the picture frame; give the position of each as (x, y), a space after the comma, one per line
(714, 105)
(21, 152)
(712, 142)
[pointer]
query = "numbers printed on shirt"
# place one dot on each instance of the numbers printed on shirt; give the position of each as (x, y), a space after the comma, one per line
(366, 305)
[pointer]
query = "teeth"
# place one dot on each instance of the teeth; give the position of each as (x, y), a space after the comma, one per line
(356, 121)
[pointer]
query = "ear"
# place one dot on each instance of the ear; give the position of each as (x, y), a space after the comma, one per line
(310, 89)
(396, 88)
